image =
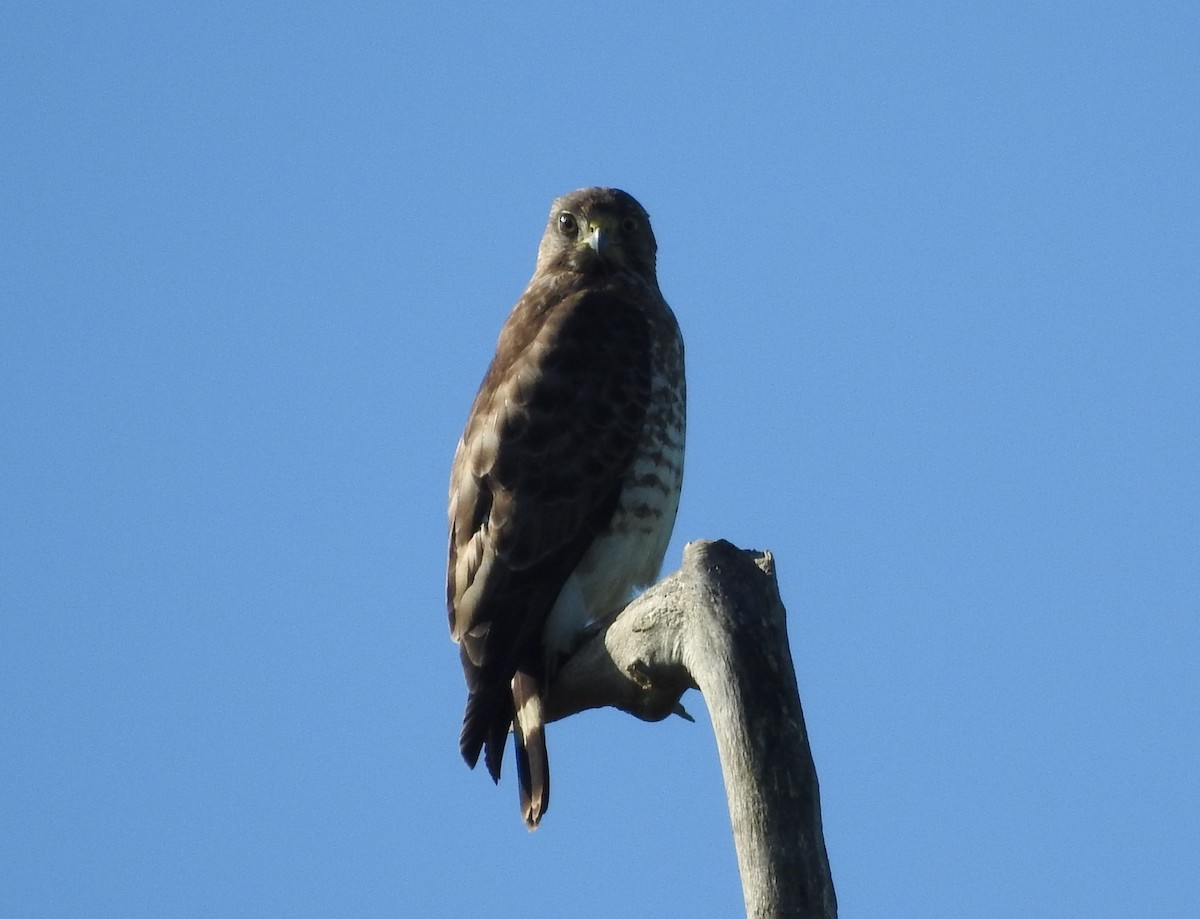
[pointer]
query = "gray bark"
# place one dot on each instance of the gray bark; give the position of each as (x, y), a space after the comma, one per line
(718, 625)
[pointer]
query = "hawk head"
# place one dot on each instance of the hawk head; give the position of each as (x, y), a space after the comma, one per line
(598, 231)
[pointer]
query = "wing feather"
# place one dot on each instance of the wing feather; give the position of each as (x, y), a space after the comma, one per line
(537, 475)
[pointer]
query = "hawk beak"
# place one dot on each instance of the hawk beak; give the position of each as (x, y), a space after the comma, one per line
(599, 236)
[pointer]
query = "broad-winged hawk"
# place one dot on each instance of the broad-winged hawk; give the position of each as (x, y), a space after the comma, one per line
(566, 480)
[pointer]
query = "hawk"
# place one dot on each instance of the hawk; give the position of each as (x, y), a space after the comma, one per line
(566, 479)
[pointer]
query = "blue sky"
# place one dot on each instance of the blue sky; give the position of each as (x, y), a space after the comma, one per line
(938, 271)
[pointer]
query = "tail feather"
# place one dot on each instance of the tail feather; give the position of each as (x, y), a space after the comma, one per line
(533, 763)
(486, 722)
(491, 713)
(493, 756)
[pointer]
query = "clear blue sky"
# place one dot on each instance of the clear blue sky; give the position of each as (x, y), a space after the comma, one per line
(938, 272)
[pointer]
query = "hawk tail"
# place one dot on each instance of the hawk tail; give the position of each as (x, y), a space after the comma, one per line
(486, 722)
(491, 712)
(533, 764)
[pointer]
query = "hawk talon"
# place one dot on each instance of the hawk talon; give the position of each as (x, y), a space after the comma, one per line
(639, 672)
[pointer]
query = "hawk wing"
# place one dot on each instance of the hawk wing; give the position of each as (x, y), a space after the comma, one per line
(536, 477)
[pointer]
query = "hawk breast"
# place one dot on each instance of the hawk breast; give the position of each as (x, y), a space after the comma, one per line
(627, 554)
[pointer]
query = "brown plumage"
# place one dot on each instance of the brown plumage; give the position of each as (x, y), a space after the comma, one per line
(566, 479)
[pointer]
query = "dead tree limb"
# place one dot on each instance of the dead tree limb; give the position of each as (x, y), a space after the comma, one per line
(718, 625)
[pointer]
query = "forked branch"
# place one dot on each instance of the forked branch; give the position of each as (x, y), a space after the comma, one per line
(718, 625)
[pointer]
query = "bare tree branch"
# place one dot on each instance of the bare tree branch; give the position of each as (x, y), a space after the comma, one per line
(718, 625)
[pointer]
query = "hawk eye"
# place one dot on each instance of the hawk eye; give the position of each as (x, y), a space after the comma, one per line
(566, 224)
(628, 225)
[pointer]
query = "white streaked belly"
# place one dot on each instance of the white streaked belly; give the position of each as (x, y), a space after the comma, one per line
(626, 556)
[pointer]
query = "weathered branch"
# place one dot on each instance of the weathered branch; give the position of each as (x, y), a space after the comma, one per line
(718, 625)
